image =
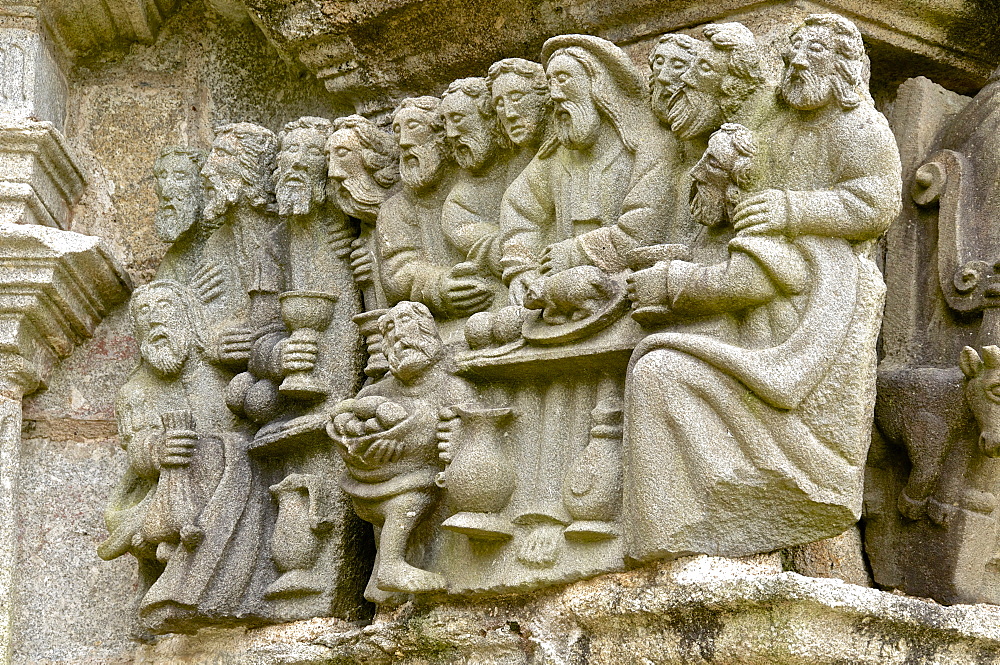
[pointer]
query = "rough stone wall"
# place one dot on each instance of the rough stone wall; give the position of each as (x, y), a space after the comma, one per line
(126, 106)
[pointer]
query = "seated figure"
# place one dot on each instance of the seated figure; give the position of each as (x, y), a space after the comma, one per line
(753, 437)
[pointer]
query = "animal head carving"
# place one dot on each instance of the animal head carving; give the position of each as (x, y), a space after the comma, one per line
(982, 393)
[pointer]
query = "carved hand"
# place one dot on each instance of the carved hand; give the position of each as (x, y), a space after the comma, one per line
(465, 295)
(558, 257)
(520, 285)
(234, 345)
(762, 213)
(448, 421)
(384, 451)
(207, 282)
(298, 355)
(178, 447)
(649, 287)
(341, 242)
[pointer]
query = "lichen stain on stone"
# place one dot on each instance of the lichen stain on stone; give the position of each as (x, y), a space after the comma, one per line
(697, 631)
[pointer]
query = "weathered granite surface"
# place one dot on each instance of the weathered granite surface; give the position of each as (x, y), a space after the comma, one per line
(196, 68)
(696, 610)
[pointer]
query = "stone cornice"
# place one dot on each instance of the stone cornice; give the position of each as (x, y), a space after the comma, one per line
(372, 52)
(39, 177)
(55, 287)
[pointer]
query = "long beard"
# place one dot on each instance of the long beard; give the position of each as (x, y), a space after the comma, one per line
(360, 197)
(166, 356)
(294, 196)
(171, 221)
(804, 90)
(693, 113)
(577, 124)
(472, 151)
(219, 198)
(713, 206)
(708, 204)
(420, 166)
(659, 99)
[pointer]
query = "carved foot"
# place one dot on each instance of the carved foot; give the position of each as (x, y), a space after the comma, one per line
(540, 547)
(941, 513)
(408, 579)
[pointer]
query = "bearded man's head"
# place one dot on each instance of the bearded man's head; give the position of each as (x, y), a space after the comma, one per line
(576, 117)
(165, 324)
(178, 188)
(238, 170)
(364, 165)
(825, 62)
(410, 339)
(300, 172)
(725, 72)
(470, 122)
(722, 174)
(668, 61)
(419, 130)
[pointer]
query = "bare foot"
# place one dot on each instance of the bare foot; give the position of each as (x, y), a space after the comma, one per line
(408, 579)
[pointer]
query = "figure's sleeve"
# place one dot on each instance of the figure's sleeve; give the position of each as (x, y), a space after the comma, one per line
(526, 211)
(472, 229)
(737, 284)
(868, 191)
(644, 220)
(405, 271)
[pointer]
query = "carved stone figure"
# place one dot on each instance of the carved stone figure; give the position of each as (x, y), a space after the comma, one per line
(668, 62)
(178, 217)
(470, 215)
(189, 506)
(598, 188)
(724, 82)
(364, 169)
(417, 261)
(388, 438)
(752, 436)
(520, 93)
(248, 248)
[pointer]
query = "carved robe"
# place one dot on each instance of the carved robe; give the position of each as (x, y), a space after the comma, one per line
(413, 251)
(611, 198)
(754, 438)
(219, 577)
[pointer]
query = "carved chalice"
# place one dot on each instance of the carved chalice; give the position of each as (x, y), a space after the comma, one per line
(307, 314)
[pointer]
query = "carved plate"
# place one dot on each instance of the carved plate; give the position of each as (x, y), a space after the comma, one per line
(536, 331)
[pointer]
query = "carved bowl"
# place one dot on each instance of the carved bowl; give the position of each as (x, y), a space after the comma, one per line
(353, 448)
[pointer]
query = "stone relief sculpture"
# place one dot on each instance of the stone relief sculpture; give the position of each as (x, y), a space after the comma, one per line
(795, 350)
(190, 506)
(932, 487)
(610, 317)
(177, 174)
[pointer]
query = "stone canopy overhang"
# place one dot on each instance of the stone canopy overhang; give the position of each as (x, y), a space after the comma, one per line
(371, 52)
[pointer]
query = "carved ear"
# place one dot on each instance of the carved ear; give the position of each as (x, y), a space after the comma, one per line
(991, 356)
(970, 362)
